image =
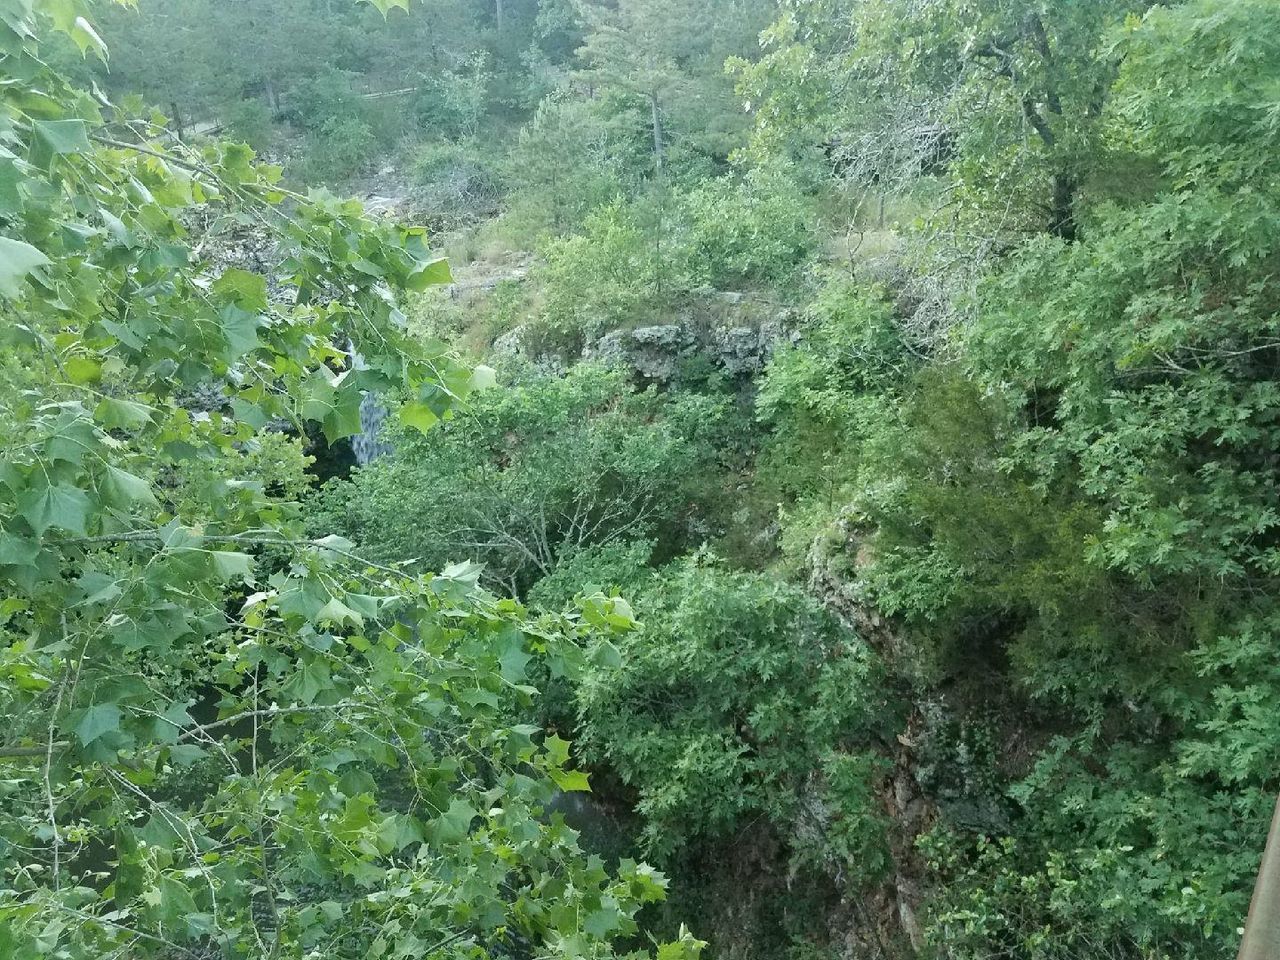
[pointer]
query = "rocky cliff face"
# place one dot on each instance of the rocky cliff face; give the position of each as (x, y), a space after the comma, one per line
(659, 353)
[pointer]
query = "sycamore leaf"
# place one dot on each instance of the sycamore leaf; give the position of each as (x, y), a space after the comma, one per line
(246, 290)
(17, 259)
(385, 6)
(419, 416)
(514, 659)
(17, 551)
(86, 38)
(338, 613)
(557, 750)
(95, 721)
(240, 328)
(430, 274)
(571, 781)
(600, 923)
(309, 682)
(231, 565)
(62, 506)
(123, 489)
(122, 414)
(57, 138)
(454, 824)
(334, 403)
(82, 370)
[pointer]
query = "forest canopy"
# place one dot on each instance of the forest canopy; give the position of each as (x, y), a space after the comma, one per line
(747, 479)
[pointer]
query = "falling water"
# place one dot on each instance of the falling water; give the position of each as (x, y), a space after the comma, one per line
(368, 445)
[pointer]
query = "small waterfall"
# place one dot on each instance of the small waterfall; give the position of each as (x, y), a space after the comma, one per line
(368, 445)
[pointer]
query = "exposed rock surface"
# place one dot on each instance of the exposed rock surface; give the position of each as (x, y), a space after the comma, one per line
(891, 914)
(658, 353)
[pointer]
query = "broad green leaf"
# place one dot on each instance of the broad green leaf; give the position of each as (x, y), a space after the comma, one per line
(557, 750)
(62, 506)
(86, 38)
(430, 274)
(57, 138)
(82, 370)
(605, 654)
(604, 921)
(241, 330)
(232, 565)
(483, 378)
(571, 781)
(514, 659)
(386, 6)
(17, 260)
(246, 290)
(334, 403)
(419, 416)
(123, 489)
(91, 723)
(309, 682)
(338, 613)
(16, 550)
(454, 824)
(118, 414)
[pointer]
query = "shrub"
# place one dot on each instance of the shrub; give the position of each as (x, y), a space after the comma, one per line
(739, 232)
(451, 104)
(532, 475)
(720, 708)
(455, 183)
(570, 159)
(609, 276)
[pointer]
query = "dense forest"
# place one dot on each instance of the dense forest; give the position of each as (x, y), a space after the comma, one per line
(749, 479)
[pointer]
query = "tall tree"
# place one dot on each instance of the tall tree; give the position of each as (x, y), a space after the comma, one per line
(638, 46)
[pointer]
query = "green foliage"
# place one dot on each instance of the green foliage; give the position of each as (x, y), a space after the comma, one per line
(339, 147)
(725, 703)
(535, 474)
(622, 566)
(249, 121)
(570, 159)
(207, 714)
(452, 104)
(457, 183)
(823, 395)
(635, 261)
(1082, 501)
(1027, 440)
(611, 275)
(740, 233)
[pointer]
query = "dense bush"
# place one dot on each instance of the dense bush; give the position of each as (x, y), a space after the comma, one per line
(633, 262)
(728, 704)
(1026, 429)
(455, 183)
(451, 104)
(613, 274)
(532, 475)
(570, 159)
(758, 230)
(1084, 500)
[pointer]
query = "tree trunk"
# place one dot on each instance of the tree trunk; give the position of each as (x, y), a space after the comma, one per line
(178, 127)
(1262, 929)
(657, 135)
(1062, 215)
(497, 15)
